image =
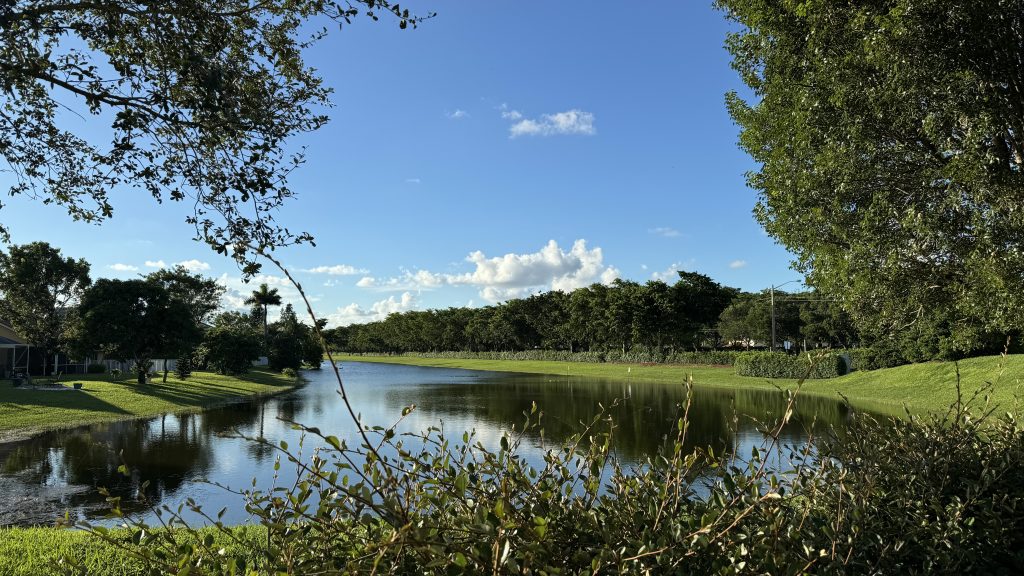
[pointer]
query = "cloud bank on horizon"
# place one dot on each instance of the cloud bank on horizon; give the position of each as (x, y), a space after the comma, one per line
(512, 275)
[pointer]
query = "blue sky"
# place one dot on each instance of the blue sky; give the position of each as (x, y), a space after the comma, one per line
(500, 149)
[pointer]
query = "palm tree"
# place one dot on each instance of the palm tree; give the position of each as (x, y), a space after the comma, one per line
(266, 298)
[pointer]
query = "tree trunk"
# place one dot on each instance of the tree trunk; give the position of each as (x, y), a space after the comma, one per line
(141, 379)
(165, 370)
(266, 327)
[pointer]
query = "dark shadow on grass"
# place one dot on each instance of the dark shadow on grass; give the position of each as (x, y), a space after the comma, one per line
(210, 392)
(70, 399)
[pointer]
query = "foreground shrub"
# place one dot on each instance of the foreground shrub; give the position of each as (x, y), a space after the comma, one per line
(940, 495)
(782, 365)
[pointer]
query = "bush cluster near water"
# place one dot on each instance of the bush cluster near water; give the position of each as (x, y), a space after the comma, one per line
(782, 365)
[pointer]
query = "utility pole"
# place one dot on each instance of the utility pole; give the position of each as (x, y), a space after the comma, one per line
(771, 291)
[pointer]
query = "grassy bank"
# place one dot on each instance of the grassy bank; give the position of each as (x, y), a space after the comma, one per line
(920, 387)
(34, 551)
(24, 411)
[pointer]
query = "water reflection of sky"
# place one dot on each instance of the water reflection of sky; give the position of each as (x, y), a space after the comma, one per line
(45, 476)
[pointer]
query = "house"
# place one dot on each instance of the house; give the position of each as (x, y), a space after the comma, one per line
(14, 351)
(18, 356)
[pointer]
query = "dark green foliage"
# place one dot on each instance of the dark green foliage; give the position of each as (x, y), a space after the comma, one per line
(938, 496)
(293, 343)
(942, 495)
(134, 321)
(285, 351)
(183, 367)
(889, 148)
(200, 295)
(96, 368)
(625, 320)
(709, 357)
(202, 101)
(781, 365)
(231, 345)
(875, 357)
(39, 287)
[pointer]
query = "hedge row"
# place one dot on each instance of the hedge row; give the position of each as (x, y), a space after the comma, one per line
(781, 365)
(713, 357)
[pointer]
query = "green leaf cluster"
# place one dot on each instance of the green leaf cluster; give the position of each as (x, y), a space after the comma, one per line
(889, 140)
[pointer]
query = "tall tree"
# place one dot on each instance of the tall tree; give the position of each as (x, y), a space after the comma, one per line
(698, 303)
(39, 287)
(889, 137)
(202, 99)
(264, 297)
(201, 296)
(231, 345)
(133, 321)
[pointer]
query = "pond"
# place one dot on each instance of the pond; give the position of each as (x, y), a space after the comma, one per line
(46, 476)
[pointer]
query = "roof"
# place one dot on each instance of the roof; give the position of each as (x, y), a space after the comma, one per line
(10, 343)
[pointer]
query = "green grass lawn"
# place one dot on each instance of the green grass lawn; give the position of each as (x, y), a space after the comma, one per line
(100, 400)
(35, 551)
(920, 387)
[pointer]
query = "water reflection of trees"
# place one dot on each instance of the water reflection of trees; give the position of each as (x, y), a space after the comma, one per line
(170, 451)
(648, 414)
(165, 452)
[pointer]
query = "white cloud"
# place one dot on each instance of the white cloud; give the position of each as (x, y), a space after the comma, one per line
(736, 264)
(572, 121)
(671, 274)
(413, 181)
(156, 264)
(123, 267)
(664, 231)
(457, 114)
(509, 114)
(336, 270)
(193, 265)
(354, 313)
(512, 275)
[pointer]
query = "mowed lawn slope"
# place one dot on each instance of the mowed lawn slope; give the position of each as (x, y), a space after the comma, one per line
(24, 410)
(921, 388)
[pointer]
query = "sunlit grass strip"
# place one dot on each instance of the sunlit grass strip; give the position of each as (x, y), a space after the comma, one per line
(102, 400)
(35, 551)
(922, 388)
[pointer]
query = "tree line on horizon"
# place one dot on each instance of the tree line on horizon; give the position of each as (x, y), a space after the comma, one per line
(694, 313)
(658, 319)
(51, 301)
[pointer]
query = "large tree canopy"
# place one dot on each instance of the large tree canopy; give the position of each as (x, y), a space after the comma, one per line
(201, 99)
(890, 140)
(135, 320)
(38, 289)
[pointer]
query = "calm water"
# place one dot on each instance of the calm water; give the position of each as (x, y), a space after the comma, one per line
(45, 476)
